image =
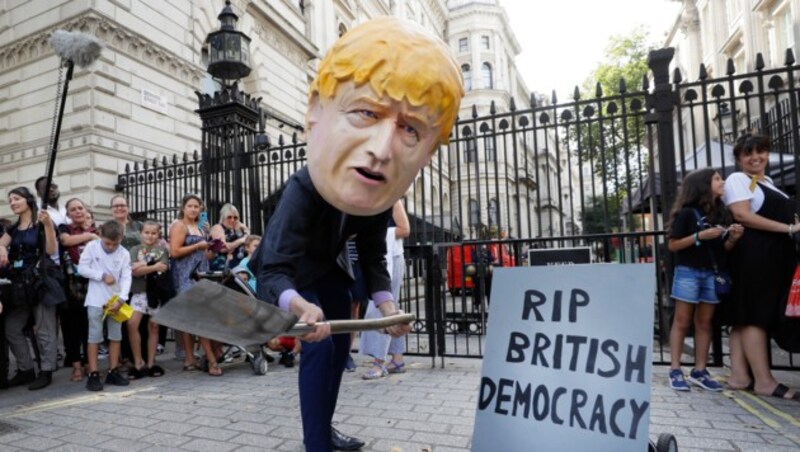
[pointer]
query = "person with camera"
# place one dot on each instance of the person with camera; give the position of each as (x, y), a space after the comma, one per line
(230, 235)
(20, 251)
(74, 236)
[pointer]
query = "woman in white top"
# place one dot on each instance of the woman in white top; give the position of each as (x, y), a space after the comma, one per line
(762, 265)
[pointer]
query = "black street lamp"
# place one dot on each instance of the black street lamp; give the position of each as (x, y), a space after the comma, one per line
(229, 49)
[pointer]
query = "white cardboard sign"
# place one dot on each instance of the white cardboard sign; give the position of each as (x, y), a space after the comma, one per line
(567, 364)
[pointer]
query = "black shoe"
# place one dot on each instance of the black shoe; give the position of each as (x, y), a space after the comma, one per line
(94, 383)
(114, 378)
(340, 441)
(287, 359)
(22, 377)
(42, 381)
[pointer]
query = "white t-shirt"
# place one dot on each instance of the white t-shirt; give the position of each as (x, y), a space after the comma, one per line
(737, 188)
(94, 262)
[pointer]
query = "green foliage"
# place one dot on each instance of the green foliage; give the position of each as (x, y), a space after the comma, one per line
(615, 144)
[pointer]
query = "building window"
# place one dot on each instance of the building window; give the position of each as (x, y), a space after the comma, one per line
(494, 212)
(473, 213)
(463, 45)
(485, 44)
(342, 30)
(466, 72)
(471, 154)
(488, 144)
(486, 72)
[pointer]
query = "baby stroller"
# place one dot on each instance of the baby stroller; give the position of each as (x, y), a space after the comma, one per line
(259, 359)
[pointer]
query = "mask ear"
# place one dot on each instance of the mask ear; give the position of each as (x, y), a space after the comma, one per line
(314, 112)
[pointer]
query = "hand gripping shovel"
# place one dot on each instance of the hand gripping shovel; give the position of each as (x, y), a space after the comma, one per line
(216, 312)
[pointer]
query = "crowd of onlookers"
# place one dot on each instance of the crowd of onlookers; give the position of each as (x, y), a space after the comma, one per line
(124, 265)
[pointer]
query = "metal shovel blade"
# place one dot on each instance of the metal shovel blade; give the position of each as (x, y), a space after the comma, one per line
(216, 312)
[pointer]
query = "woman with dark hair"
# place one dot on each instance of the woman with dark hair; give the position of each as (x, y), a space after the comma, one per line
(700, 232)
(761, 266)
(74, 324)
(20, 251)
(188, 248)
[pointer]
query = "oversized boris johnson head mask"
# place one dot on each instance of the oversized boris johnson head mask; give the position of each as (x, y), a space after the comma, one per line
(386, 95)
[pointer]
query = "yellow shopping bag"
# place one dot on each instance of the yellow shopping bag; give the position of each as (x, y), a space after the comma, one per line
(124, 313)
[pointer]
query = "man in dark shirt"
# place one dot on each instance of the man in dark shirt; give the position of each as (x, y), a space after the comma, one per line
(385, 97)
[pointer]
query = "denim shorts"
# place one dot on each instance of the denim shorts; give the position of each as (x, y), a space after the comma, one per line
(95, 316)
(694, 285)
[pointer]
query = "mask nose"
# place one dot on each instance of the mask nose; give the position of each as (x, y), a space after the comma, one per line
(380, 144)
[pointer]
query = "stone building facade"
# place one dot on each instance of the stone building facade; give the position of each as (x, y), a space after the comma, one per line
(138, 100)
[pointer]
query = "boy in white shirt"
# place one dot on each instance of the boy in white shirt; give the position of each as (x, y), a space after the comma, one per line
(108, 267)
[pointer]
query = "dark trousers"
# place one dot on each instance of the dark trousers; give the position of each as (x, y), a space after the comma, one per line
(322, 365)
(3, 353)
(75, 332)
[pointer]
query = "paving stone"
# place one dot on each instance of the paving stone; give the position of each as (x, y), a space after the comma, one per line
(37, 443)
(213, 433)
(85, 438)
(208, 445)
(435, 438)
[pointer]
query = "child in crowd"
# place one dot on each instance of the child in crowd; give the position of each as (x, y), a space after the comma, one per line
(107, 266)
(700, 232)
(148, 261)
(251, 244)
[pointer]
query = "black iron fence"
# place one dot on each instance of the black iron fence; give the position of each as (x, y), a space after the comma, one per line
(595, 171)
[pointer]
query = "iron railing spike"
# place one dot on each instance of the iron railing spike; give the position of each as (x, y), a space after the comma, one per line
(676, 76)
(492, 108)
(789, 60)
(730, 68)
(576, 93)
(598, 90)
(622, 88)
(703, 72)
(760, 62)
(512, 105)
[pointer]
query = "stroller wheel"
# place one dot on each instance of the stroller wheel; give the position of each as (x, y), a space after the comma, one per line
(260, 365)
(666, 443)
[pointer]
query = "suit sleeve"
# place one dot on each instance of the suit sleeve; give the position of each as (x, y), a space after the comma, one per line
(371, 245)
(284, 244)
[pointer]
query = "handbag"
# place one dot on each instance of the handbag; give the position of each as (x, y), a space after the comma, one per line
(722, 279)
(793, 301)
(48, 281)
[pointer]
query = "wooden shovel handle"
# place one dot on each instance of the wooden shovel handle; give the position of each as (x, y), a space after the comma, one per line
(351, 326)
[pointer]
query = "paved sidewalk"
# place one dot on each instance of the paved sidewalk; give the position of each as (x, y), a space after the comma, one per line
(425, 409)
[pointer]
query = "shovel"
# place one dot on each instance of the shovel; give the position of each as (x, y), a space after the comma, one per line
(216, 312)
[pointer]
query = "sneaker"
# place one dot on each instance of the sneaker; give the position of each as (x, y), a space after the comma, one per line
(113, 377)
(94, 383)
(350, 365)
(703, 379)
(287, 359)
(159, 349)
(22, 377)
(42, 381)
(676, 380)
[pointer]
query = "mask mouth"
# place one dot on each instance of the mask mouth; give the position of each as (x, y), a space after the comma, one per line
(371, 175)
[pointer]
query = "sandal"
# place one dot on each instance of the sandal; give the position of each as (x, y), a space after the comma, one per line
(781, 390)
(396, 368)
(375, 372)
(191, 368)
(77, 374)
(137, 374)
(155, 371)
(214, 370)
